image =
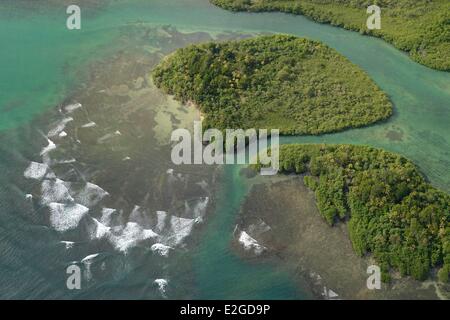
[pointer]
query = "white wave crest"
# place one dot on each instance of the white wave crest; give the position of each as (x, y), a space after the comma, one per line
(90, 195)
(99, 230)
(72, 107)
(66, 217)
(89, 125)
(139, 215)
(89, 258)
(87, 261)
(68, 244)
(162, 285)
(51, 146)
(160, 220)
(130, 236)
(108, 136)
(329, 294)
(38, 171)
(59, 127)
(250, 244)
(107, 216)
(161, 249)
(55, 191)
(181, 228)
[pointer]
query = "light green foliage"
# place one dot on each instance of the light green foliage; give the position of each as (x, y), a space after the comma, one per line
(273, 82)
(419, 27)
(393, 212)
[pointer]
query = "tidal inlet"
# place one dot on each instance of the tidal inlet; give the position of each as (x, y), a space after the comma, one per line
(215, 150)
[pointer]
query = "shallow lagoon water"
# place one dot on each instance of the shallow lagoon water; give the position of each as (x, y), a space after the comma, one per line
(44, 58)
(44, 62)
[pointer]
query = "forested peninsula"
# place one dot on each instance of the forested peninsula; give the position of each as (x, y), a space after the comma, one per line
(281, 82)
(392, 212)
(419, 27)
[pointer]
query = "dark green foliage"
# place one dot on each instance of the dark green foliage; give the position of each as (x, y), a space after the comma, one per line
(273, 82)
(443, 274)
(419, 27)
(394, 213)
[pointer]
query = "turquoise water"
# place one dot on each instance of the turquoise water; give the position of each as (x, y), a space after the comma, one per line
(40, 61)
(43, 58)
(221, 274)
(43, 61)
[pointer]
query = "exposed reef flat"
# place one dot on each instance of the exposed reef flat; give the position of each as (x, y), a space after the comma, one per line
(282, 217)
(393, 213)
(99, 176)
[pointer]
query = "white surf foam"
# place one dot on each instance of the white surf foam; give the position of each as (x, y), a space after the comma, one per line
(90, 195)
(108, 136)
(99, 230)
(250, 244)
(59, 127)
(332, 294)
(107, 215)
(65, 161)
(131, 236)
(160, 220)
(161, 249)
(87, 261)
(181, 228)
(89, 258)
(55, 191)
(38, 171)
(68, 244)
(66, 217)
(72, 107)
(329, 294)
(89, 125)
(51, 146)
(139, 215)
(162, 285)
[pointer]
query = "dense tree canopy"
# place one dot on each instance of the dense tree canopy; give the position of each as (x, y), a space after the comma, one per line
(392, 212)
(273, 82)
(419, 27)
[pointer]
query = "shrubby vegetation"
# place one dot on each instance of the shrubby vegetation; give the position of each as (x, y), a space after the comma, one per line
(273, 82)
(392, 212)
(419, 27)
